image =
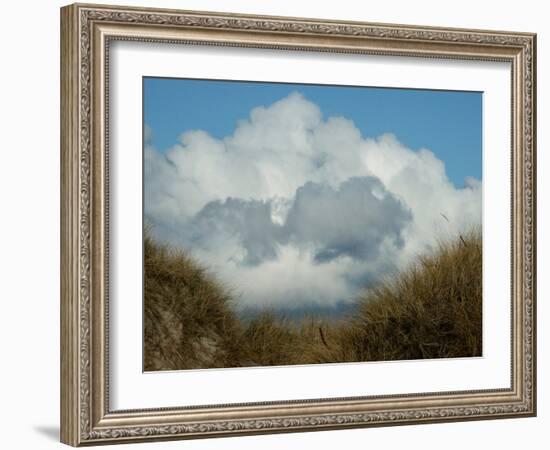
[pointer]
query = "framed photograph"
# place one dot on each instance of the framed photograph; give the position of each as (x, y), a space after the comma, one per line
(276, 224)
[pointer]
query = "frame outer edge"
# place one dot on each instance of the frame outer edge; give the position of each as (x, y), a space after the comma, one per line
(81, 413)
(69, 338)
(534, 375)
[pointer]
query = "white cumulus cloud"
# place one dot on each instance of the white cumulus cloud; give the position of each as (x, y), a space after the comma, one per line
(294, 210)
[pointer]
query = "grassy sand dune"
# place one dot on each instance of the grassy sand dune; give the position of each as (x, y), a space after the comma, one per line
(431, 310)
(188, 318)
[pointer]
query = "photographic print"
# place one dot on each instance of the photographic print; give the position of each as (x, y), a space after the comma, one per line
(300, 224)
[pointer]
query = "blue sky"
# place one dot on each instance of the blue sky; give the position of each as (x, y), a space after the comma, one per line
(449, 123)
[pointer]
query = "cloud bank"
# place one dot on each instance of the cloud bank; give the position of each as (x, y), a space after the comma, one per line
(294, 210)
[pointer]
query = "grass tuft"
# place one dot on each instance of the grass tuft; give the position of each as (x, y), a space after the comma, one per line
(431, 310)
(188, 316)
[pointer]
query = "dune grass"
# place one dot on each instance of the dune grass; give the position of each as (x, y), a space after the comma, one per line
(431, 310)
(188, 316)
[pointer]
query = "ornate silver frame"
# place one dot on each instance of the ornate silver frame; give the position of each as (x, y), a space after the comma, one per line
(86, 31)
